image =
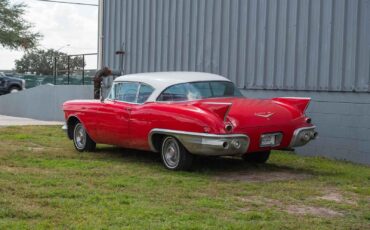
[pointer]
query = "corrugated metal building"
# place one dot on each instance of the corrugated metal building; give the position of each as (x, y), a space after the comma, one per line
(314, 48)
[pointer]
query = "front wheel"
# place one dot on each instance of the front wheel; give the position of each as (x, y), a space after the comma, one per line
(174, 155)
(258, 157)
(82, 140)
(14, 90)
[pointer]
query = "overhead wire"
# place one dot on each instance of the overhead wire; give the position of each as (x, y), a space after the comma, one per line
(72, 3)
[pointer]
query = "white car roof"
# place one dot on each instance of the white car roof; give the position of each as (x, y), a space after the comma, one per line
(161, 80)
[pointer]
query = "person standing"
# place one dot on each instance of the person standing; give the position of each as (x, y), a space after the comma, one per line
(98, 78)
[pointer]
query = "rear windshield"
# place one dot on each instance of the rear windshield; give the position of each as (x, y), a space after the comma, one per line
(199, 90)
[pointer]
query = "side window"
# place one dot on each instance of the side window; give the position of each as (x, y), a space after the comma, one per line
(218, 89)
(203, 89)
(126, 91)
(174, 93)
(222, 89)
(144, 93)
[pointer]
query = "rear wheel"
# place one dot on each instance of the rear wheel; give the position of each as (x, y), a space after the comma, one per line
(81, 139)
(258, 157)
(174, 155)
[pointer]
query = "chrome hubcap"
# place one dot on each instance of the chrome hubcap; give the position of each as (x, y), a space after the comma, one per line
(80, 136)
(14, 90)
(171, 152)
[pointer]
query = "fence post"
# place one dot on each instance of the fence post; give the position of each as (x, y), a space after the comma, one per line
(83, 69)
(55, 70)
(68, 67)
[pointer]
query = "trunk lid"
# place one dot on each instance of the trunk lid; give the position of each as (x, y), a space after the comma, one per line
(248, 112)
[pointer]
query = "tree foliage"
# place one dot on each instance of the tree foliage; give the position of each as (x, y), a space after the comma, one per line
(42, 62)
(15, 32)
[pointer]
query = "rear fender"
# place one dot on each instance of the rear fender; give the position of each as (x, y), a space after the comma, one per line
(300, 103)
(220, 109)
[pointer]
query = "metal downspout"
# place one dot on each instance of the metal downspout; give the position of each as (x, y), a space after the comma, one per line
(100, 34)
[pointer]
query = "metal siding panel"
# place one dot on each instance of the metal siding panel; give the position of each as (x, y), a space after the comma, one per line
(146, 37)
(224, 60)
(242, 42)
(134, 40)
(172, 37)
(207, 45)
(302, 42)
(194, 35)
(179, 35)
(325, 45)
(261, 43)
(313, 58)
(251, 47)
(290, 63)
(201, 36)
(318, 45)
(186, 44)
(233, 45)
(165, 40)
(363, 48)
(350, 45)
(159, 35)
(271, 44)
(217, 33)
(338, 27)
(152, 37)
(281, 44)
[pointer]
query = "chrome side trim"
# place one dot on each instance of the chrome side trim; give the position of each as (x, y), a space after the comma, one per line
(205, 143)
(296, 142)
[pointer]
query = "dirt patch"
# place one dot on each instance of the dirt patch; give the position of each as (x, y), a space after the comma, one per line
(257, 200)
(28, 170)
(292, 209)
(263, 176)
(336, 197)
(310, 210)
(35, 149)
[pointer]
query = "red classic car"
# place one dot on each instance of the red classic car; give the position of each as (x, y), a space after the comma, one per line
(182, 114)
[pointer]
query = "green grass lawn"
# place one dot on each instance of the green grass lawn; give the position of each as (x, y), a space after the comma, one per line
(45, 183)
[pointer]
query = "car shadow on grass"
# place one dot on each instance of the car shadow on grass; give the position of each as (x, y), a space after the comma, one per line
(222, 168)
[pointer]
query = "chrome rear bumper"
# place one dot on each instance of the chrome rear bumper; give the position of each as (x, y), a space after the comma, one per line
(302, 136)
(206, 144)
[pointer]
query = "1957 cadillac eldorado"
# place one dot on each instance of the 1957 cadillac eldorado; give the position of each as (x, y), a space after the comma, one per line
(182, 114)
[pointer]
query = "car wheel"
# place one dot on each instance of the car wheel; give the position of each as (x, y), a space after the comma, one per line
(174, 155)
(81, 139)
(14, 90)
(258, 157)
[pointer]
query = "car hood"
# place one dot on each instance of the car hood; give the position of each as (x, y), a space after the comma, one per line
(13, 78)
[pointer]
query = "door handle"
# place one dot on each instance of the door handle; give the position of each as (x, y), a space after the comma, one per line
(128, 109)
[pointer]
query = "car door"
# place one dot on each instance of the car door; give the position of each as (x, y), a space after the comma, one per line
(113, 124)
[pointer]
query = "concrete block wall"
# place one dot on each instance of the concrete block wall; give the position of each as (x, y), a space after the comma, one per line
(43, 102)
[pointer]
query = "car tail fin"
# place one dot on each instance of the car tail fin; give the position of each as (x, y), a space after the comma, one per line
(219, 108)
(301, 103)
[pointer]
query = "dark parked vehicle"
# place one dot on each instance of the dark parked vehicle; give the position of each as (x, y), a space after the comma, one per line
(11, 84)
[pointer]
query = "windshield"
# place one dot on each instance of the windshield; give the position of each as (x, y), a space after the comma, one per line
(199, 90)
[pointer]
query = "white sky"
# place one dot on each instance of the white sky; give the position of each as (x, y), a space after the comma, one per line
(60, 24)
